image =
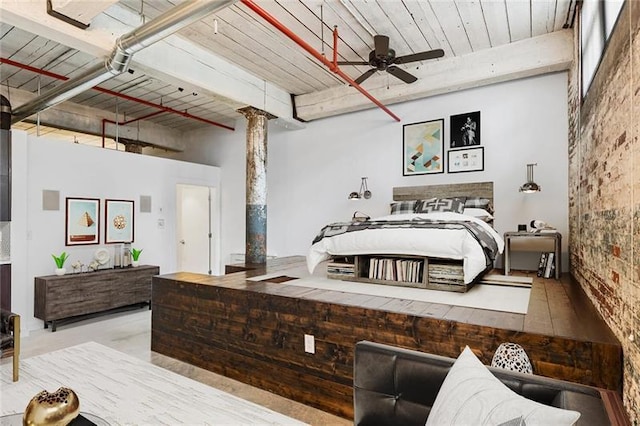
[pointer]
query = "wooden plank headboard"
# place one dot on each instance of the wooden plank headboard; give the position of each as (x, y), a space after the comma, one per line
(476, 189)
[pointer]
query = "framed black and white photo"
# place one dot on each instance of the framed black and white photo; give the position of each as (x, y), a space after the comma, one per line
(423, 148)
(465, 160)
(465, 130)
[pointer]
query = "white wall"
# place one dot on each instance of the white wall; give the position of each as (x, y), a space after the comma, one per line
(84, 171)
(310, 172)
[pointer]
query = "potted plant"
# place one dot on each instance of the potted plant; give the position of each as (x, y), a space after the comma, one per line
(60, 270)
(135, 254)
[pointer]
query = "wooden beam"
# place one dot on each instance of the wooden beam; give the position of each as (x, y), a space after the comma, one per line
(539, 55)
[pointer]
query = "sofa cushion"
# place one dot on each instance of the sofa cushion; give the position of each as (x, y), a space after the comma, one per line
(470, 394)
(593, 412)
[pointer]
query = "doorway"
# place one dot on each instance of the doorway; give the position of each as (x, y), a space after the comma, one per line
(194, 231)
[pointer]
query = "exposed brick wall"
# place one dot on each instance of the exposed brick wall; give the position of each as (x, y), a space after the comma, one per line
(604, 192)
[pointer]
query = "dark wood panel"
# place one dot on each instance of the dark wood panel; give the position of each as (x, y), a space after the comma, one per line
(251, 330)
(5, 287)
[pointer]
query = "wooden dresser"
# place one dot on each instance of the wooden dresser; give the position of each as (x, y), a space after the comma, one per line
(69, 296)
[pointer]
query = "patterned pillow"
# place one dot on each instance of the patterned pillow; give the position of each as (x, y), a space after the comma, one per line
(470, 394)
(479, 203)
(455, 205)
(403, 207)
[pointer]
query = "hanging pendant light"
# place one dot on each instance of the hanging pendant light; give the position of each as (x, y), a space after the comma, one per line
(530, 186)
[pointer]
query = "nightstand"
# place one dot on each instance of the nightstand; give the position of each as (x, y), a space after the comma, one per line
(557, 247)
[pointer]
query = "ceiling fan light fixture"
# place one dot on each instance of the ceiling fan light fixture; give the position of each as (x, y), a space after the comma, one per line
(382, 58)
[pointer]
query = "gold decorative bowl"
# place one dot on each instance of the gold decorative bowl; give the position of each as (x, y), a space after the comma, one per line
(52, 409)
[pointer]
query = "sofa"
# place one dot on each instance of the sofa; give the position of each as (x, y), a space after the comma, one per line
(395, 386)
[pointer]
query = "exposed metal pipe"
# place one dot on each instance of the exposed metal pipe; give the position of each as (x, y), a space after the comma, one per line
(123, 123)
(333, 66)
(113, 93)
(164, 25)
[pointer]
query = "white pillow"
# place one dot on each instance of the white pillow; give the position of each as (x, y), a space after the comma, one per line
(471, 395)
(481, 214)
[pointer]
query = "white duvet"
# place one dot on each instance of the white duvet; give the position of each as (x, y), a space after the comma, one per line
(442, 243)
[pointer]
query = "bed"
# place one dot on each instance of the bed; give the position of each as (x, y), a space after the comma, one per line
(437, 236)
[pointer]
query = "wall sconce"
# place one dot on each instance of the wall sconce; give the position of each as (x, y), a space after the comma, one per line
(530, 186)
(364, 191)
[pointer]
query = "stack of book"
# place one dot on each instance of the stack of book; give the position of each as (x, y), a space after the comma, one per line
(340, 270)
(547, 265)
(396, 269)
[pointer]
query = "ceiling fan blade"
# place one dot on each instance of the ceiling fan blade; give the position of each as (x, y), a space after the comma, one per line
(365, 76)
(401, 74)
(352, 63)
(381, 43)
(420, 56)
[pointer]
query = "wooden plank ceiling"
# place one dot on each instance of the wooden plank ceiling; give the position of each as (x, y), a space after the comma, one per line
(242, 38)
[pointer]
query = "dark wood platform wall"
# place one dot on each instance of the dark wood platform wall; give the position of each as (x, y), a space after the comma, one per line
(255, 336)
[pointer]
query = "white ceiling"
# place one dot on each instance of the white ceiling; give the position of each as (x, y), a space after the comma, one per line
(263, 66)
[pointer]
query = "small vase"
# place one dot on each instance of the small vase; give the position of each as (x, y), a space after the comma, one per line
(61, 271)
(135, 263)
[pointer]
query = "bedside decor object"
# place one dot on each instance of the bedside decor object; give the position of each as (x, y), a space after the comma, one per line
(102, 256)
(530, 186)
(465, 160)
(58, 408)
(82, 225)
(135, 254)
(119, 221)
(423, 148)
(60, 270)
(364, 191)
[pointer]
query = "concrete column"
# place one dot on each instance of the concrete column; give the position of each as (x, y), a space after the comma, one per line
(256, 208)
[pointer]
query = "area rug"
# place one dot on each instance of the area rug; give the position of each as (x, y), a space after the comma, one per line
(482, 296)
(122, 389)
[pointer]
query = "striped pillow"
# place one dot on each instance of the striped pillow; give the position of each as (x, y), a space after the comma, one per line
(403, 207)
(479, 203)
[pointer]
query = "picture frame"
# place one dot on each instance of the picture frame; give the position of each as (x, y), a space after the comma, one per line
(423, 148)
(119, 221)
(82, 221)
(464, 130)
(465, 160)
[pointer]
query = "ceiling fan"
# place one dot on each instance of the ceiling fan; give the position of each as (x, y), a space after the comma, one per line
(384, 59)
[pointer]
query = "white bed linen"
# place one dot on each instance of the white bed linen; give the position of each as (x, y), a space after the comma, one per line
(443, 243)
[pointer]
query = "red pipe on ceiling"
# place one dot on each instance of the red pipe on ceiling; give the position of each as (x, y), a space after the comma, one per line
(333, 66)
(133, 120)
(111, 92)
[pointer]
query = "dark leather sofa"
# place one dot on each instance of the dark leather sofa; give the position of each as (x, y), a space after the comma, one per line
(394, 386)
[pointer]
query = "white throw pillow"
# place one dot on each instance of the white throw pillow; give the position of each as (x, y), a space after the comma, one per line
(471, 395)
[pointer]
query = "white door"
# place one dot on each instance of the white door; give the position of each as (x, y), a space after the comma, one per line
(194, 228)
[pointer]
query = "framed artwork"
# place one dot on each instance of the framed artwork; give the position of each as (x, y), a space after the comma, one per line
(119, 221)
(82, 221)
(465, 130)
(465, 160)
(423, 148)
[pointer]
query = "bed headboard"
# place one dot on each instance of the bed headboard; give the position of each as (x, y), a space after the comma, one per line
(476, 189)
